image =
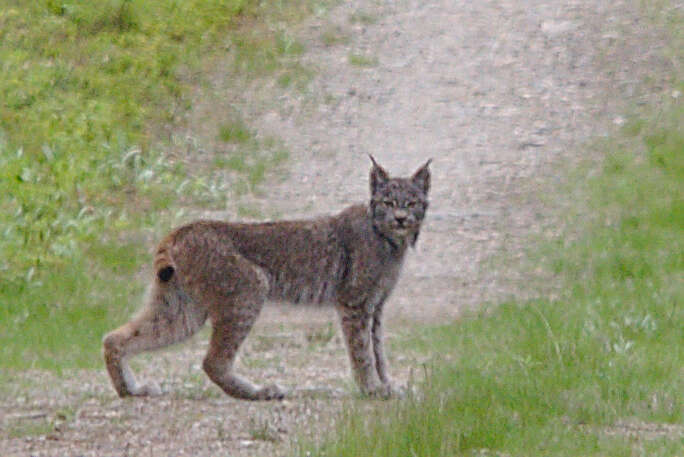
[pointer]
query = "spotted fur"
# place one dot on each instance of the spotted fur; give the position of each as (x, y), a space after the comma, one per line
(226, 271)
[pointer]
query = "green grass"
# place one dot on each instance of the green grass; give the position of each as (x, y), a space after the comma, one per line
(360, 60)
(29, 427)
(263, 430)
(362, 17)
(235, 131)
(334, 35)
(86, 92)
(263, 52)
(248, 156)
(296, 76)
(558, 377)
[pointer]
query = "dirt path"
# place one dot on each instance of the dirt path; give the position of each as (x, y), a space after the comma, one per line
(493, 91)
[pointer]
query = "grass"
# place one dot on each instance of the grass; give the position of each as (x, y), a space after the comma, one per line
(29, 427)
(334, 35)
(263, 430)
(363, 18)
(320, 336)
(263, 52)
(87, 90)
(235, 131)
(561, 377)
(297, 76)
(248, 156)
(363, 61)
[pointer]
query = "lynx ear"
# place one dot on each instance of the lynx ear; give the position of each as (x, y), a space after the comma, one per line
(378, 175)
(421, 178)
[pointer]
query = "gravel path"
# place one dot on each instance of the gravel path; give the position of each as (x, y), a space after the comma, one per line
(495, 92)
(498, 93)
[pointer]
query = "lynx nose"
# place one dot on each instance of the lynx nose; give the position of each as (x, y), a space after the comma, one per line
(400, 216)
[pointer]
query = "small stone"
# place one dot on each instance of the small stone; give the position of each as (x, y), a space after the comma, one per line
(247, 443)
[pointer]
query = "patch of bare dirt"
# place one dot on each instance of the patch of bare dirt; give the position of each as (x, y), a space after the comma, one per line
(639, 430)
(496, 92)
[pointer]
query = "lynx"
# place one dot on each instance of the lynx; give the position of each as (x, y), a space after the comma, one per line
(226, 271)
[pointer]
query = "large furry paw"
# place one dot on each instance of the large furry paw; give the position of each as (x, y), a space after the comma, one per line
(395, 391)
(149, 389)
(271, 392)
(385, 391)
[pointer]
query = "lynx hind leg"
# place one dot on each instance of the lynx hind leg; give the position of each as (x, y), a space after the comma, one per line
(229, 331)
(168, 317)
(232, 318)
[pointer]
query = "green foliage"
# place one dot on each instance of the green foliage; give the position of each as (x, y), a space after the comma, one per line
(359, 60)
(559, 377)
(65, 307)
(362, 17)
(235, 131)
(295, 75)
(248, 155)
(26, 428)
(82, 82)
(334, 35)
(85, 87)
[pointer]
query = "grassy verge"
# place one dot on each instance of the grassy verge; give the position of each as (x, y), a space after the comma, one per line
(599, 371)
(86, 89)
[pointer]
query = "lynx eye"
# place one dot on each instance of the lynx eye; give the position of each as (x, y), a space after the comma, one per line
(389, 203)
(412, 204)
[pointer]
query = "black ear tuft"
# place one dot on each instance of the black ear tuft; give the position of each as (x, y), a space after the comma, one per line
(421, 177)
(378, 175)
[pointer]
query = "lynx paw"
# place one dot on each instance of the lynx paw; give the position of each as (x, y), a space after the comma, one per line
(386, 391)
(395, 391)
(149, 389)
(271, 392)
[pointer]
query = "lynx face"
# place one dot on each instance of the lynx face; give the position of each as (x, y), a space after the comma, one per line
(398, 205)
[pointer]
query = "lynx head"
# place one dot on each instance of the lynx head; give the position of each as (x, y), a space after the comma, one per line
(398, 205)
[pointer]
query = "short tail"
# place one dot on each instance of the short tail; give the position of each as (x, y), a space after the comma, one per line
(163, 264)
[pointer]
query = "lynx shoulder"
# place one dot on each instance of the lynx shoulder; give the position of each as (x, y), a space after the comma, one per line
(224, 272)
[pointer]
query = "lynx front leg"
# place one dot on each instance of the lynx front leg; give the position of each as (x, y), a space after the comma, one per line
(356, 324)
(379, 352)
(378, 345)
(230, 330)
